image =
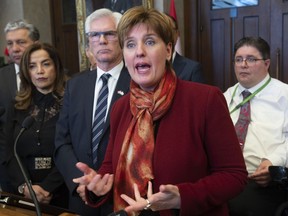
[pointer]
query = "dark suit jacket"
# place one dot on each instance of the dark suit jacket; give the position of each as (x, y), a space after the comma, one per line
(196, 148)
(8, 88)
(187, 69)
(73, 131)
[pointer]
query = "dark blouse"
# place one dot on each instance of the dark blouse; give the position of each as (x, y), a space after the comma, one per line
(36, 145)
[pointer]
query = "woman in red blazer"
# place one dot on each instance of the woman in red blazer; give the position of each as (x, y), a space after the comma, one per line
(173, 148)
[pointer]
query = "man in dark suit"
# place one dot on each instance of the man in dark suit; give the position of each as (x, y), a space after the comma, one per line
(74, 128)
(19, 35)
(185, 68)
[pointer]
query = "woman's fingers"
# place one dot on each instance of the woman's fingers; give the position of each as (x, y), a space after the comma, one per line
(101, 185)
(150, 189)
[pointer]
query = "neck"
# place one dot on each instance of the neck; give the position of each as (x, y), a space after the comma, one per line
(107, 66)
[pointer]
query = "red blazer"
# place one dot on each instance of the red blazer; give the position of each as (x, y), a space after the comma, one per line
(196, 149)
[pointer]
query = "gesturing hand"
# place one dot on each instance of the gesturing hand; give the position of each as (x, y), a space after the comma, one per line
(81, 191)
(94, 182)
(168, 197)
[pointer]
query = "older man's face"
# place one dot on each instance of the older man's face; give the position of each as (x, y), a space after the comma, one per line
(17, 42)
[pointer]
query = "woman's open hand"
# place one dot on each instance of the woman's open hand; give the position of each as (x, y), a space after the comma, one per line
(99, 185)
(168, 197)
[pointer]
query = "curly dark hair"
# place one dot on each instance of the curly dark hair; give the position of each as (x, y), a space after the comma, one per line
(24, 95)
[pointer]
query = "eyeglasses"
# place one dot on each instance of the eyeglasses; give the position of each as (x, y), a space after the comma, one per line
(250, 61)
(108, 35)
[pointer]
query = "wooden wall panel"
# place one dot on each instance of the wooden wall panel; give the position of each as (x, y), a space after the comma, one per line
(284, 65)
(70, 58)
(279, 40)
(222, 52)
(251, 26)
(217, 42)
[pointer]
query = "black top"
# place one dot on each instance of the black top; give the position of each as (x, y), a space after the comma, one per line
(36, 145)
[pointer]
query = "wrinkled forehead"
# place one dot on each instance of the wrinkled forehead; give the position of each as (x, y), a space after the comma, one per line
(17, 34)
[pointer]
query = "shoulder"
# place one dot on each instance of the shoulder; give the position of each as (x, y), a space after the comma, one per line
(188, 93)
(198, 100)
(121, 107)
(123, 101)
(124, 74)
(180, 58)
(7, 68)
(84, 75)
(277, 88)
(7, 75)
(278, 83)
(230, 90)
(193, 88)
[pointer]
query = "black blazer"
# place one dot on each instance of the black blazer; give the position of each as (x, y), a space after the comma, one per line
(8, 88)
(36, 142)
(73, 131)
(187, 69)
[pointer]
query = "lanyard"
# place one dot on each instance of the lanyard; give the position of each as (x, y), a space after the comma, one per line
(250, 97)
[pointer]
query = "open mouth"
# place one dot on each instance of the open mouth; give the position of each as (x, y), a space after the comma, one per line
(142, 67)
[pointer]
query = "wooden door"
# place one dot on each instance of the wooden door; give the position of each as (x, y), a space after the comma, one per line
(65, 39)
(215, 47)
(220, 29)
(279, 39)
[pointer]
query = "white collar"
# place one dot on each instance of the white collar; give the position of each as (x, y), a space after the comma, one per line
(16, 66)
(254, 88)
(114, 72)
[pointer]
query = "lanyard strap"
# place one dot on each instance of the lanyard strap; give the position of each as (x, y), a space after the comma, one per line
(250, 97)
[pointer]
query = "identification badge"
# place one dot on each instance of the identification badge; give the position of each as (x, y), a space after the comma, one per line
(43, 163)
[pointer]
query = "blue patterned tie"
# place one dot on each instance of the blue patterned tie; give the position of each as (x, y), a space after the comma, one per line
(99, 116)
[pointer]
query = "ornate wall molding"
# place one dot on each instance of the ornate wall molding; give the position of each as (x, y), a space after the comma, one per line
(81, 15)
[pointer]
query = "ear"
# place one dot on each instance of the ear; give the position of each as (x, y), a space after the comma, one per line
(267, 63)
(169, 51)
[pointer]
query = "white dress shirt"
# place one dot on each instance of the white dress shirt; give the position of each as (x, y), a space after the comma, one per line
(267, 136)
(17, 76)
(112, 82)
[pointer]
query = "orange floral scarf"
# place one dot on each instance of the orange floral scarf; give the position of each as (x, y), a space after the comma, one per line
(135, 161)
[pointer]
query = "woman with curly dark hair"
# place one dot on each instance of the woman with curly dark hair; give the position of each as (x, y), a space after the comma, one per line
(40, 96)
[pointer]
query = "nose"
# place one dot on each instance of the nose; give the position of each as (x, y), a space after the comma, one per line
(244, 63)
(14, 47)
(39, 69)
(140, 50)
(102, 39)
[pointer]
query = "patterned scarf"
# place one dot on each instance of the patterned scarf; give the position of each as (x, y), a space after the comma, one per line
(135, 161)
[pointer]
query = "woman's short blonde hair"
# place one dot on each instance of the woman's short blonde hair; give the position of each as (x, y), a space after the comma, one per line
(153, 18)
